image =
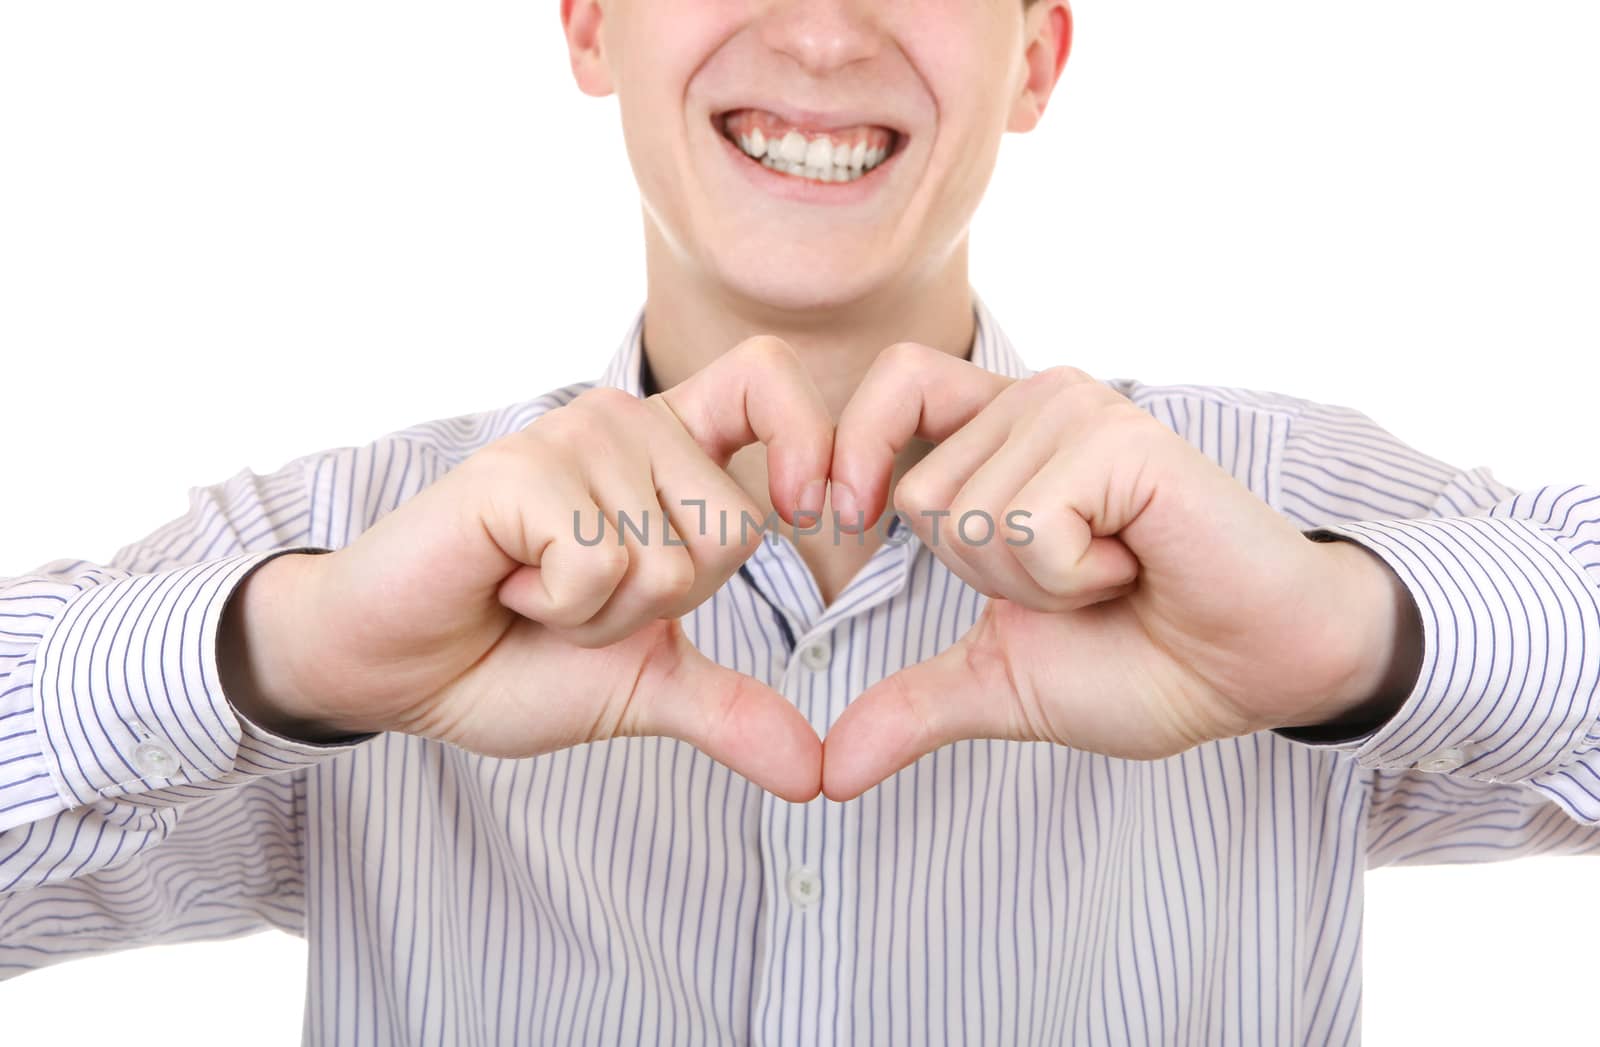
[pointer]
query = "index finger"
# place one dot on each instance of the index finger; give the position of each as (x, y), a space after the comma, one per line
(910, 391)
(759, 392)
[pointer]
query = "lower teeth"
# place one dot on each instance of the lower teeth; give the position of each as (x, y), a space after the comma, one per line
(816, 174)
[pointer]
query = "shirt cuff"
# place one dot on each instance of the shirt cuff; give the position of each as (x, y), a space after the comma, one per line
(128, 701)
(1508, 690)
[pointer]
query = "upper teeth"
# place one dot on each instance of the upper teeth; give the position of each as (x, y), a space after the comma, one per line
(820, 158)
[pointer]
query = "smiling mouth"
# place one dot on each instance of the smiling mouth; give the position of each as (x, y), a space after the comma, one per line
(835, 155)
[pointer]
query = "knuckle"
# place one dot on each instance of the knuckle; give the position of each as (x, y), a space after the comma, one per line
(515, 453)
(765, 351)
(1019, 511)
(605, 398)
(595, 420)
(604, 411)
(1123, 416)
(662, 409)
(901, 355)
(1092, 404)
(1077, 374)
(1051, 379)
(596, 569)
(583, 587)
(667, 577)
(606, 563)
(915, 492)
(570, 427)
(969, 522)
(502, 450)
(1059, 379)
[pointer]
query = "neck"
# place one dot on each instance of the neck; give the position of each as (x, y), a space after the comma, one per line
(688, 323)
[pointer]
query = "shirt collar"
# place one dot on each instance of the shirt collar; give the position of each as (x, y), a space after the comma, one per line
(991, 350)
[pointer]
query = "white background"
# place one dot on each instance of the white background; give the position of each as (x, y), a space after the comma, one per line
(233, 233)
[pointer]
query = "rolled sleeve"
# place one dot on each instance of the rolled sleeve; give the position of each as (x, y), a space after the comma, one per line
(1509, 688)
(128, 700)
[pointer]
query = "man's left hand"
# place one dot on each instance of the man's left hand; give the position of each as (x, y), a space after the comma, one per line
(1159, 604)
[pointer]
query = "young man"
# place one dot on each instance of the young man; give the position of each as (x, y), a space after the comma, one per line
(347, 698)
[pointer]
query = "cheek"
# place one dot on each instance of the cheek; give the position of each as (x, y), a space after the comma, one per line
(967, 61)
(651, 103)
(656, 47)
(968, 76)
(966, 147)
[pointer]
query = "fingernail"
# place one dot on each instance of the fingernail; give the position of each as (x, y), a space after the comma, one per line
(846, 507)
(811, 498)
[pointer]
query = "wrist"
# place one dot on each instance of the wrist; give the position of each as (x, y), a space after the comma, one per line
(1376, 633)
(262, 642)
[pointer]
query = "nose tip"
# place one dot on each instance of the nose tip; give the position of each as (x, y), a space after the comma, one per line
(821, 35)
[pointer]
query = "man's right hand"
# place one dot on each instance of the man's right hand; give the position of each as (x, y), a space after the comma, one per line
(472, 614)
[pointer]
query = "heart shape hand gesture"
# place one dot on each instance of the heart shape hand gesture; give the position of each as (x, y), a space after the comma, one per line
(1158, 605)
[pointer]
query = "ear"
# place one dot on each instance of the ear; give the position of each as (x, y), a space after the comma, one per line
(1047, 30)
(580, 20)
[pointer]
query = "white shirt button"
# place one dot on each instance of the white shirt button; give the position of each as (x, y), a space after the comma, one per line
(805, 886)
(816, 655)
(155, 759)
(1443, 760)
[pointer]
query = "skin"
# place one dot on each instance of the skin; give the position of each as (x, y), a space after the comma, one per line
(953, 75)
(439, 619)
(1158, 606)
(1161, 606)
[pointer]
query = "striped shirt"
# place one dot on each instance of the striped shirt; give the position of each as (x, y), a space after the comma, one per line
(992, 892)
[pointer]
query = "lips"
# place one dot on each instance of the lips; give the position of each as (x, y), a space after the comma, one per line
(838, 135)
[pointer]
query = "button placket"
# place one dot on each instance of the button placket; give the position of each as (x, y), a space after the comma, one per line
(804, 886)
(801, 842)
(817, 654)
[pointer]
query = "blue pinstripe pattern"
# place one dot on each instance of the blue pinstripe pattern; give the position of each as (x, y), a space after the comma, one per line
(993, 892)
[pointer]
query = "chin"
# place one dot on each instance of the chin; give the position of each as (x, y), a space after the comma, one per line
(797, 283)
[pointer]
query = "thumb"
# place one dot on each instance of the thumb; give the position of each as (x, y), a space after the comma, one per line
(962, 692)
(733, 718)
